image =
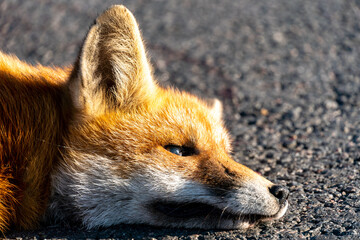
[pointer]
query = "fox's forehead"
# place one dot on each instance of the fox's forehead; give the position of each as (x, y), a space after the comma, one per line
(173, 119)
(190, 119)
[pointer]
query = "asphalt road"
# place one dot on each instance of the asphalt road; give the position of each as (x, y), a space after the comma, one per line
(287, 72)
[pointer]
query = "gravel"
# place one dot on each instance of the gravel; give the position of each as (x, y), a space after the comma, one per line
(288, 75)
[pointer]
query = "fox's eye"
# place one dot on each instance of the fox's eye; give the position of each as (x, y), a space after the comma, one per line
(180, 150)
(174, 149)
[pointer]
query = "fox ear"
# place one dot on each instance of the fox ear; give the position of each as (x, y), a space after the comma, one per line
(112, 70)
(216, 107)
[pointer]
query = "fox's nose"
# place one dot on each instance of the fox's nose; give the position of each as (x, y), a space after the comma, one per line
(280, 192)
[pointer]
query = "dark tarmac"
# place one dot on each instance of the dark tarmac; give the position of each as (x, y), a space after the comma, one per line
(287, 72)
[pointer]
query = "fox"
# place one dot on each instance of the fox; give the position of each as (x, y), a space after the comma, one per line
(101, 143)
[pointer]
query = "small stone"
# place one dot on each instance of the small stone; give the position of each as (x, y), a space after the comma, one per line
(279, 37)
(264, 112)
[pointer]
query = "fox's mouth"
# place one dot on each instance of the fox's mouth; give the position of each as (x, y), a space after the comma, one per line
(190, 210)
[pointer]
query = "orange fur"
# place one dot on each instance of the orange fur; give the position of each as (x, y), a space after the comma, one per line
(31, 125)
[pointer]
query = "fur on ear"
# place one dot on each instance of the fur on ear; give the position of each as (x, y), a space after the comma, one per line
(112, 70)
(216, 107)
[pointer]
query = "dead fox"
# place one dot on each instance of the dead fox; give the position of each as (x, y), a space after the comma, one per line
(101, 143)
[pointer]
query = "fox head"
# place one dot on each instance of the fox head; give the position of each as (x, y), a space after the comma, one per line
(139, 153)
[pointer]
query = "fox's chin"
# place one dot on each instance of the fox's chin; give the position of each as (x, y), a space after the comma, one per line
(279, 214)
(205, 216)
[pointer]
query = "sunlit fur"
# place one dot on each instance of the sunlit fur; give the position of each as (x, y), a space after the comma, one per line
(86, 143)
(31, 126)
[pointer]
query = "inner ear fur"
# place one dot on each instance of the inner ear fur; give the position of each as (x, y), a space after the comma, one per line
(112, 70)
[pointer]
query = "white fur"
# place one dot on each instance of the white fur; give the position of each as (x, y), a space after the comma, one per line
(99, 197)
